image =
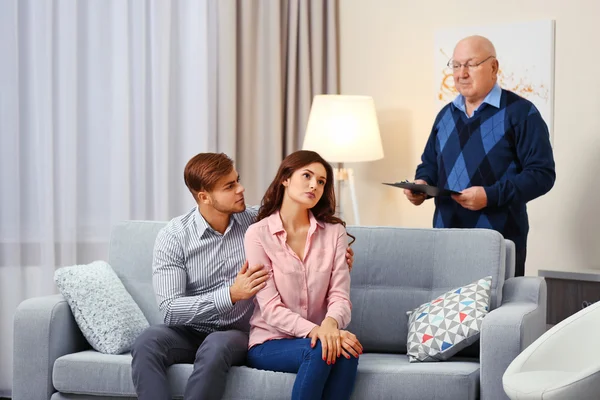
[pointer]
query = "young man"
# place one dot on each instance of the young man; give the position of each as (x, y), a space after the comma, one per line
(205, 298)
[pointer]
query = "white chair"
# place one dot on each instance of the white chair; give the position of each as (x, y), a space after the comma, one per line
(563, 363)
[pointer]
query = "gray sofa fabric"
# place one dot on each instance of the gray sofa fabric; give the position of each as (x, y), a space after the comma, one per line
(67, 396)
(89, 372)
(515, 325)
(130, 255)
(44, 330)
(395, 270)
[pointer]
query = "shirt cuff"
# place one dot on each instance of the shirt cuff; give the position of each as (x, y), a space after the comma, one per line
(337, 318)
(223, 302)
(304, 327)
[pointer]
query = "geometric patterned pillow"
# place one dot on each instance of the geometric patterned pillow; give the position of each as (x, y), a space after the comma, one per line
(441, 328)
(104, 310)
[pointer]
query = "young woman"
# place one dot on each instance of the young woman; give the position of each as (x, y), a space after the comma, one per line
(300, 313)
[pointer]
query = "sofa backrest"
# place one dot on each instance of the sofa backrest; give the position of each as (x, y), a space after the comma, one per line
(395, 270)
(511, 259)
(130, 255)
(398, 269)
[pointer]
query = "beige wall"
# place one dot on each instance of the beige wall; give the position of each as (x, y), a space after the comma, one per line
(387, 52)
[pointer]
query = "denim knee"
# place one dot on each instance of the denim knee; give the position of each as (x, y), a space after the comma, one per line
(350, 363)
(314, 352)
(317, 352)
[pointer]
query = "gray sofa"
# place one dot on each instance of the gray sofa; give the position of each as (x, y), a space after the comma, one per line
(396, 269)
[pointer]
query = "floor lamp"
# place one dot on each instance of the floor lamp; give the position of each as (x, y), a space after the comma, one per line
(344, 129)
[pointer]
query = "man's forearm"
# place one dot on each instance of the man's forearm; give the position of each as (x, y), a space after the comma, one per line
(535, 154)
(197, 309)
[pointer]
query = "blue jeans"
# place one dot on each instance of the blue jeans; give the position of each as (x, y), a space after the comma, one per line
(315, 379)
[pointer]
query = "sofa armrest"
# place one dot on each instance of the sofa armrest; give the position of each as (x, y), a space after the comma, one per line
(44, 330)
(507, 330)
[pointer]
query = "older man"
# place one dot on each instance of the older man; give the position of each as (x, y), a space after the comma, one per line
(489, 144)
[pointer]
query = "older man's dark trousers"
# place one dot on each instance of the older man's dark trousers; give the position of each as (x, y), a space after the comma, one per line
(520, 261)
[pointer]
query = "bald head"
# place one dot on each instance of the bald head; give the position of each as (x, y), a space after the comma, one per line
(476, 44)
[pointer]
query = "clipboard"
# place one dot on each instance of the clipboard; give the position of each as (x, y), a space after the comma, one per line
(432, 191)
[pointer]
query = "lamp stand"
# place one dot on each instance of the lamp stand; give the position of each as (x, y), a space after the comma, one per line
(346, 174)
(338, 188)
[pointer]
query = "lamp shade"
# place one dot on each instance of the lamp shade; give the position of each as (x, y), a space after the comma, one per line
(343, 128)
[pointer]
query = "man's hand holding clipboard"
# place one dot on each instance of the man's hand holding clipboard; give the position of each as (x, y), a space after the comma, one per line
(473, 198)
(417, 191)
(417, 198)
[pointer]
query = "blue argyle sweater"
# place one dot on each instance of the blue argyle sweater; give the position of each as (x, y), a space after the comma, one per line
(505, 148)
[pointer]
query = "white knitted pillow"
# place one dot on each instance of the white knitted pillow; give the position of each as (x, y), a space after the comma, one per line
(106, 313)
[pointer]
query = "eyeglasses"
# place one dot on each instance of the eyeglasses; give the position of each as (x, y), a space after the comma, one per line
(468, 65)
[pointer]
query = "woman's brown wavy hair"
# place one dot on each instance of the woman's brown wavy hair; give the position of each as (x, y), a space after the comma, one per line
(323, 211)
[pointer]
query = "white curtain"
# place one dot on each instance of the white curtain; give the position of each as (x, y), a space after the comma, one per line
(102, 102)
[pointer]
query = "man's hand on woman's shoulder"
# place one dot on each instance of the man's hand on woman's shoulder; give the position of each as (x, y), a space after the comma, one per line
(350, 257)
(248, 282)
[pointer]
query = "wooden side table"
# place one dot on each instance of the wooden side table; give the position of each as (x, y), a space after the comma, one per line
(569, 292)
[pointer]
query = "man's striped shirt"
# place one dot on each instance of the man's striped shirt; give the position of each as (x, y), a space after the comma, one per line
(193, 268)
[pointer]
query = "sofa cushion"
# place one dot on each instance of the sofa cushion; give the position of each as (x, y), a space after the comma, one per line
(380, 376)
(68, 396)
(391, 376)
(105, 312)
(449, 323)
(396, 270)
